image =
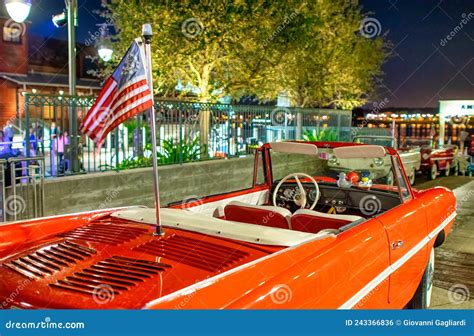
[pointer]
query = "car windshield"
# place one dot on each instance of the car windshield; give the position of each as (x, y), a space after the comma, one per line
(409, 143)
(349, 168)
(372, 140)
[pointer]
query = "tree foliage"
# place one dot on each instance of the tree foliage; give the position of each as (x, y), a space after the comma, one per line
(330, 63)
(215, 48)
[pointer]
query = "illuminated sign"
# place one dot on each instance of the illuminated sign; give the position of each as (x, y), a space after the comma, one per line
(456, 107)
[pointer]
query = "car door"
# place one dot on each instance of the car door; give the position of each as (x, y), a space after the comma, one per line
(406, 227)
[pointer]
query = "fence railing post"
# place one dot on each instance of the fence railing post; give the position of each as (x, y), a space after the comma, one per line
(27, 125)
(204, 129)
(117, 149)
(73, 134)
(299, 125)
(30, 178)
(2, 190)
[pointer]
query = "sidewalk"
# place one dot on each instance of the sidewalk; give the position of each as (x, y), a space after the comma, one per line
(454, 263)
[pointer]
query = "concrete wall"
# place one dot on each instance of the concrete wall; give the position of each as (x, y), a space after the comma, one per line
(135, 187)
(177, 182)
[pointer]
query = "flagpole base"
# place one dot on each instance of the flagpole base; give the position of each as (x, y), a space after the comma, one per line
(159, 232)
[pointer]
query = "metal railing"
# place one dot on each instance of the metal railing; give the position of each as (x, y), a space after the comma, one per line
(187, 131)
(3, 164)
(22, 188)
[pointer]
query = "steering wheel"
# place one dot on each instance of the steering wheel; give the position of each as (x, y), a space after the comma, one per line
(298, 198)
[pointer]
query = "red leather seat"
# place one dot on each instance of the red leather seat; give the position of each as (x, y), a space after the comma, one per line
(313, 221)
(258, 214)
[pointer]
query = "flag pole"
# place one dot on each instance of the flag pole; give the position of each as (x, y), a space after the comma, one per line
(147, 33)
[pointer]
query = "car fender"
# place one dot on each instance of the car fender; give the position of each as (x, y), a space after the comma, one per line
(440, 203)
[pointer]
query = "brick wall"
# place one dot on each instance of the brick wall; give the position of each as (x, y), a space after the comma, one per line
(7, 101)
(13, 56)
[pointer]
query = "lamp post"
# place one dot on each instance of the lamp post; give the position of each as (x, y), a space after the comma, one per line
(71, 28)
(18, 9)
(71, 33)
(69, 17)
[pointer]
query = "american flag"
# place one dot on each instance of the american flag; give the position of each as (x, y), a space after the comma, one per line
(125, 94)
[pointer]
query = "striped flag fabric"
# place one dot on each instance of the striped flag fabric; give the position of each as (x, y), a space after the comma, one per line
(125, 94)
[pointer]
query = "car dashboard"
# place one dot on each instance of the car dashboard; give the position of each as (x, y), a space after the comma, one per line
(365, 203)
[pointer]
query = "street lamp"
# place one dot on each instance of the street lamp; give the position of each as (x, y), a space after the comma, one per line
(68, 18)
(105, 53)
(60, 20)
(18, 9)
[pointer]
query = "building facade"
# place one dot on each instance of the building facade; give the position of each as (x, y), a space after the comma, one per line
(35, 65)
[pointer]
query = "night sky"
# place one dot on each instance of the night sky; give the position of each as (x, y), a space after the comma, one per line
(421, 70)
(42, 10)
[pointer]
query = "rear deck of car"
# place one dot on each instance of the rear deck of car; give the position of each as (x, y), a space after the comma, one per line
(117, 263)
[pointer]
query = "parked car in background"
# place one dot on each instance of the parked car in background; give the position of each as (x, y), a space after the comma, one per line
(411, 157)
(294, 238)
(435, 160)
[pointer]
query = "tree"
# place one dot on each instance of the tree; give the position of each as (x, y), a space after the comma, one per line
(331, 64)
(214, 48)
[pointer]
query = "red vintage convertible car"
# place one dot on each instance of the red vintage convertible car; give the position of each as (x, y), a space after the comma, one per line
(302, 236)
(435, 160)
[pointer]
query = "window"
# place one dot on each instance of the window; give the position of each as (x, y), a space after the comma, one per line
(401, 180)
(12, 32)
(260, 178)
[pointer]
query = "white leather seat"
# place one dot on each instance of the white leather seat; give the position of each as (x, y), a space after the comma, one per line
(314, 221)
(266, 215)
